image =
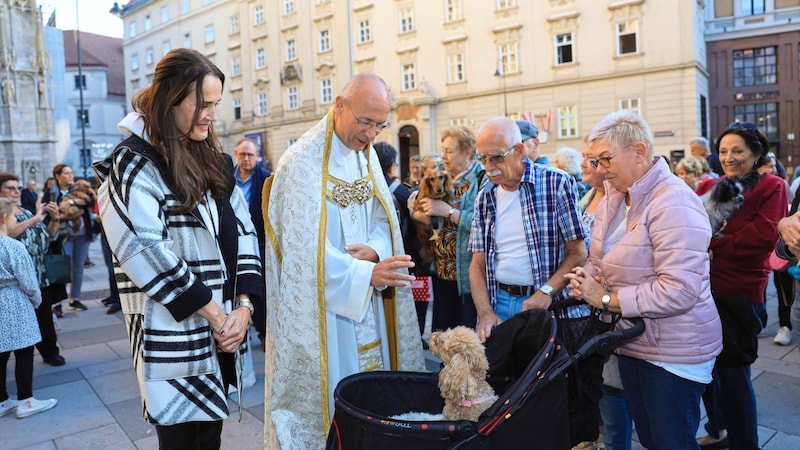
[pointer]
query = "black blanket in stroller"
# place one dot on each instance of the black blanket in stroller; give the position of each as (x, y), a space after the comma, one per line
(531, 411)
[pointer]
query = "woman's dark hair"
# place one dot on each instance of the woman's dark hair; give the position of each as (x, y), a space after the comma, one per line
(195, 166)
(756, 141)
(58, 168)
(7, 176)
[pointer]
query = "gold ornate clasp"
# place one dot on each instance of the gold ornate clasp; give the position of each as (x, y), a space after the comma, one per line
(345, 193)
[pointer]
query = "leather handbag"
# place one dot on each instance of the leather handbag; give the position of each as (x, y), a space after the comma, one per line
(57, 265)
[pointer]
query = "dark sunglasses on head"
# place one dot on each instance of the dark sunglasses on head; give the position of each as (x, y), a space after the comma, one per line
(744, 126)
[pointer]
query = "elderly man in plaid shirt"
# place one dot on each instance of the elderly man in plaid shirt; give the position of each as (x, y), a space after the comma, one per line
(526, 234)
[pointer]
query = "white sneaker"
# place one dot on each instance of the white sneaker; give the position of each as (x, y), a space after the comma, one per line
(31, 406)
(7, 406)
(783, 336)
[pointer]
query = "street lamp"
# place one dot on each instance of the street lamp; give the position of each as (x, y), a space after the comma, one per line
(501, 73)
(86, 159)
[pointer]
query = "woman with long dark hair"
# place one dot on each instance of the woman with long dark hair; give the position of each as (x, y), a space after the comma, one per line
(185, 250)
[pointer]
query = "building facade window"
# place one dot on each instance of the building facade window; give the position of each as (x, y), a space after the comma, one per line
(207, 2)
(703, 116)
(408, 76)
(505, 4)
(324, 41)
(165, 48)
(326, 91)
(507, 55)
(627, 38)
(764, 115)
(564, 49)
(258, 15)
(134, 62)
(164, 14)
(148, 23)
(261, 58)
(455, 67)
(236, 67)
(237, 109)
(148, 57)
(209, 33)
(185, 6)
(458, 122)
(406, 20)
(567, 121)
(631, 104)
(364, 31)
(80, 81)
(82, 118)
(233, 25)
(753, 7)
(132, 30)
(261, 104)
(187, 41)
(291, 98)
(453, 10)
(288, 7)
(291, 50)
(755, 67)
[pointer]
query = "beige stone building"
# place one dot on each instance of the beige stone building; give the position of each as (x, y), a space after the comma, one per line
(563, 63)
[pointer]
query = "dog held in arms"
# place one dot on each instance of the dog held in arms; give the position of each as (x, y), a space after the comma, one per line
(438, 186)
(462, 380)
(725, 198)
(74, 204)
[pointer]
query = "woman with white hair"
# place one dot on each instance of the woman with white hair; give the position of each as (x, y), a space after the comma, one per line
(569, 160)
(648, 258)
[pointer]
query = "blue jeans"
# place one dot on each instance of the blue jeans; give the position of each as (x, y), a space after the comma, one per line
(738, 403)
(665, 407)
(77, 247)
(507, 304)
(796, 321)
(617, 425)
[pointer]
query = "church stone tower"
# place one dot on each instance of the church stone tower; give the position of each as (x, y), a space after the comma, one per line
(27, 131)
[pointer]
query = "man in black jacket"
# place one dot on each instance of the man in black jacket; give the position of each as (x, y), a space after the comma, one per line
(28, 196)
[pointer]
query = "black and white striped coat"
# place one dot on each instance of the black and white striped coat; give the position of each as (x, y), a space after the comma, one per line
(168, 266)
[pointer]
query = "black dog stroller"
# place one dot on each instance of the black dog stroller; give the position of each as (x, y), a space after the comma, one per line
(526, 363)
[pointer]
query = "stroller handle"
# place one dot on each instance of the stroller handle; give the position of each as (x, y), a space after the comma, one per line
(602, 344)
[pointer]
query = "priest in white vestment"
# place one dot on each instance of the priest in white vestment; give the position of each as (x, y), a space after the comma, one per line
(338, 288)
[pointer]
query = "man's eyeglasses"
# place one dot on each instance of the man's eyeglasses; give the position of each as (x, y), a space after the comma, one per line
(604, 161)
(494, 159)
(744, 126)
(366, 123)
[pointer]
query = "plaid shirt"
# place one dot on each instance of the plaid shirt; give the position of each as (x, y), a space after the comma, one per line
(551, 218)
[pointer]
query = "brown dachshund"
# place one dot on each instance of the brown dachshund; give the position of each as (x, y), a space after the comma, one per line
(75, 203)
(438, 186)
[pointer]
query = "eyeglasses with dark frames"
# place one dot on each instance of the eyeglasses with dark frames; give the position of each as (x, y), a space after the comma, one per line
(366, 123)
(495, 158)
(12, 188)
(604, 161)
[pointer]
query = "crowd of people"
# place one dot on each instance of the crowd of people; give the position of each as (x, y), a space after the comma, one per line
(198, 246)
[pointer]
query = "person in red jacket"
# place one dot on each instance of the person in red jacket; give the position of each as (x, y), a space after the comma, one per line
(739, 273)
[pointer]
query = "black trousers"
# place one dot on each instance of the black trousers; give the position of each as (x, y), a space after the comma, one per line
(23, 372)
(190, 435)
(48, 347)
(450, 309)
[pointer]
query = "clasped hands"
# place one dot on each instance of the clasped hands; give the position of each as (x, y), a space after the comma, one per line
(232, 331)
(589, 288)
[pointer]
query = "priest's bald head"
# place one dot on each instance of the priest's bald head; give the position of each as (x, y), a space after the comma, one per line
(362, 110)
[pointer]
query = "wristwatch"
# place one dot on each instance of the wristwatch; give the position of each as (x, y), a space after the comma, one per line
(450, 213)
(247, 304)
(605, 300)
(547, 289)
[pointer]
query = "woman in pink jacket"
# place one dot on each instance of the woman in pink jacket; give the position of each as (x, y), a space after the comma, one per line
(649, 259)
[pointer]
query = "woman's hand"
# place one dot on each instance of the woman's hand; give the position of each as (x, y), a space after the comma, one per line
(232, 332)
(587, 287)
(433, 207)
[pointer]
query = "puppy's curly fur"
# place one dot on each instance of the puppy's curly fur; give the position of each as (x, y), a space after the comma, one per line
(438, 186)
(726, 197)
(462, 380)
